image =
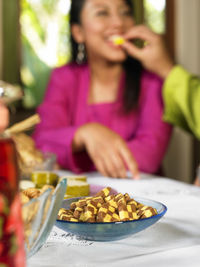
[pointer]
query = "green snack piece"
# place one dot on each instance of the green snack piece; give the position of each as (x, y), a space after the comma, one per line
(77, 186)
(44, 178)
(78, 190)
(78, 178)
(74, 178)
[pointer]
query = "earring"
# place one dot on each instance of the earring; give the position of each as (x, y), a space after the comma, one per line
(81, 53)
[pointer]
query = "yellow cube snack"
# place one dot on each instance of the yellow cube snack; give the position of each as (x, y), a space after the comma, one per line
(117, 40)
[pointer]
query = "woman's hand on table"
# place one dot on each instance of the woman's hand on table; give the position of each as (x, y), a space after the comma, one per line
(154, 55)
(108, 151)
(4, 117)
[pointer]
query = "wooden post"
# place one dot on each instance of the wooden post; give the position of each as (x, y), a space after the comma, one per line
(11, 37)
(170, 27)
(139, 11)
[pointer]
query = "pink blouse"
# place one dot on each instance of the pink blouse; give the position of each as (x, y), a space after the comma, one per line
(65, 108)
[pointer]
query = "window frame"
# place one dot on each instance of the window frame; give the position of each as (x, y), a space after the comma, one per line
(170, 27)
(169, 35)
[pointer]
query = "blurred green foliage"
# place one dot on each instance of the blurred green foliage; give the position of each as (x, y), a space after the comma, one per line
(45, 44)
(154, 15)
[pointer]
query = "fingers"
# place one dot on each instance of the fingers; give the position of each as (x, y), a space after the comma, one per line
(117, 166)
(109, 153)
(100, 161)
(130, 161)
(133, 50)
(4, 115)
(109, 162)
(141, 32)
(113, 162)
(145, 34)
(197, 182)
(100, 166)
(110, 165)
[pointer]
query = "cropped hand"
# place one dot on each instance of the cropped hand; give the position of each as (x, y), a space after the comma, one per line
(107, 149)
(197, 182)
(4, 117)
(153, 55)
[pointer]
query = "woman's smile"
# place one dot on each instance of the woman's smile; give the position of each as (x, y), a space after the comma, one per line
(100, 22)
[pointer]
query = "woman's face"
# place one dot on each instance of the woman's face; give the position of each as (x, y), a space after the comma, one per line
(100, 20)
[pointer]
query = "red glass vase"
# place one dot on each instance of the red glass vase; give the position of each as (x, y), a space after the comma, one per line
(12, 251)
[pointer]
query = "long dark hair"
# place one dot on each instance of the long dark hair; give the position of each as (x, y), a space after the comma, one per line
(132, 67)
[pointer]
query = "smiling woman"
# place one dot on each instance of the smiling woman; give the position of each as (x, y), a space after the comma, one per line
(44, 29)
(106, 110)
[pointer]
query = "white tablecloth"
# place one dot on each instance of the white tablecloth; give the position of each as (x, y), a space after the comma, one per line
(173, 241)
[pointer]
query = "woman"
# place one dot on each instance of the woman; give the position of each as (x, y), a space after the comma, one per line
(103, 112)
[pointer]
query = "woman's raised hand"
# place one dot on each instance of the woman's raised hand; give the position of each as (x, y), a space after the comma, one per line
(107, 149)
(153, 55)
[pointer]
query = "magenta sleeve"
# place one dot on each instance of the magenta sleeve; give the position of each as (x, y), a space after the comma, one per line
(55, 132)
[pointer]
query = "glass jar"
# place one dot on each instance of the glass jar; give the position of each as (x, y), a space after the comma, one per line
(12, 251)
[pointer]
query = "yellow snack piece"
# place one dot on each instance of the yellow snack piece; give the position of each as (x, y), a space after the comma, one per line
(123, 215)
(87, 215)
(113, 203)
(82, 217)
(61, 211)
(92, 208)
(104, 192)
(103, 210)
(118, 40)
(129, 208)
(116, 217)
(111, 209)
(73, 220)
(107, 218)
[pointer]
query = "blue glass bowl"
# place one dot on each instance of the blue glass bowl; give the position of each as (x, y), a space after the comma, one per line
(113, 230)
(39, 216)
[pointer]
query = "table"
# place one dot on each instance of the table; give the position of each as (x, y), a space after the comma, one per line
(173, 241)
